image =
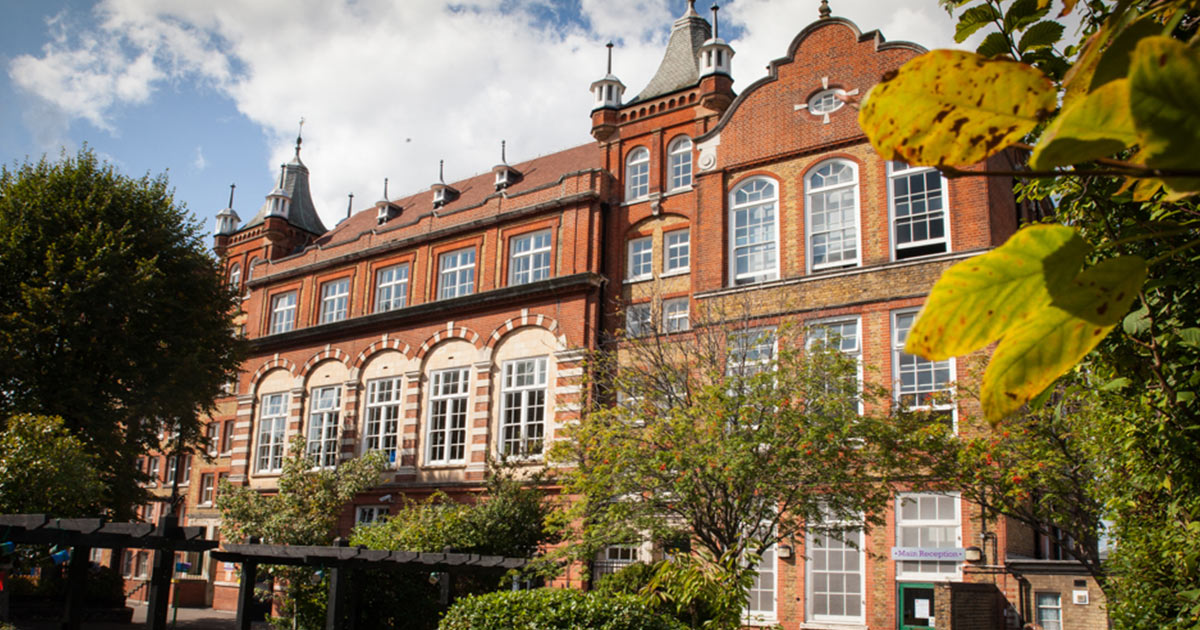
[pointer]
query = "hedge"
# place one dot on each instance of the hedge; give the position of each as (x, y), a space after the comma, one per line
(554, 609)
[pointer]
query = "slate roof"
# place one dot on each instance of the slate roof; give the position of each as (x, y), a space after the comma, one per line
(680, 67)
(302, 213)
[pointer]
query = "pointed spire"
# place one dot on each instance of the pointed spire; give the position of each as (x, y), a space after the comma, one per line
(227, 219)
(824, 10)
(299, 137)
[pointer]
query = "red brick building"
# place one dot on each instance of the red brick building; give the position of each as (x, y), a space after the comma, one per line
(449, 324)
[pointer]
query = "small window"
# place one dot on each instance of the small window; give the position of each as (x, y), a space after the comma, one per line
(448, 397)
(334, 298)
(679, 157)
(153, 470)
(206, 489)
(235, 276)
(1049, 611)
(917, 195)
(323, 438)
(826, 102)
(172, 469)
(678, 257)
(641, 258)
(675, 315)
(383, 417)
(613, 558)
(283, 312)
(212, 436)
(637, 174)
(639, 320)
(456, 273)
(529, 258)
(523, 408)
(833, 215)
(391, 288)
(226, 437)
(370, 514)
(919, 382)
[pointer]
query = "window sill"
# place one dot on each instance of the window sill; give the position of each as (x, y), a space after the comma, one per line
(679, 191)
(836, 267)
(833, 625)
(676, 272)
(457, 464)
(638, 279)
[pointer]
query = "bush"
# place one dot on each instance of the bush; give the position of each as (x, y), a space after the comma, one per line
(628, 580)
(554, 609)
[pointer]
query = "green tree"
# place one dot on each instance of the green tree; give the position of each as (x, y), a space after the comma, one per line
(113, 315)
(1113, 124)
(304, 511)
(734, 435)
(45, 469)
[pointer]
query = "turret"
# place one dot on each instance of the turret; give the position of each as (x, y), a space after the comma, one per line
(715, 59)
(227, 224)
(505, 175)
(385, 210)
(607, 94)
(443, 193)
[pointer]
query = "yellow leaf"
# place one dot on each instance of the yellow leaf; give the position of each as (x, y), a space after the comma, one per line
(1164, 86)
(977, 301)
(1094, 127)
(949, 107)
(1049, 343)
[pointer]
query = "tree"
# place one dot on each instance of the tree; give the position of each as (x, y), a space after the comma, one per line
(113, 315)
(44, 469)
(734, 435)
(304, 511)
(1113, 128)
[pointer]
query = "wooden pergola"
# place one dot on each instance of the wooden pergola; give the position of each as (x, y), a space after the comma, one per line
(85, 534)
(342, 562)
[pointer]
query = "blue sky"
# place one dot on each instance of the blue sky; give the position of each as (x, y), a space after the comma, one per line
(211, 92)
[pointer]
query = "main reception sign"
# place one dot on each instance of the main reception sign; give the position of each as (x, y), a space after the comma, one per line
(951, 554)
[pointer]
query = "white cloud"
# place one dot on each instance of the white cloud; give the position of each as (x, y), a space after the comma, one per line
(199, 163)
(370, 75)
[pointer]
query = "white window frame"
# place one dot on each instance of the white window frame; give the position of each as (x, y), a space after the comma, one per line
(153, 469)
(529, 257)
(187, 469)
(640, 259)
(172, 469)
(613, 558)
(810, 580)
(820, 329)
(523, 421)
(272, 431)
(741, 245)
(748, 358)
(899, 357)
(324, 434)
(335, 299)
(449, 416)
(679, 160)
(761, 617)
(391, 288)
(903, 567)
(811, 192)
(677, 251)
(637, 174)
(826, 101)
(1040, 614)
(283, 312)
(456, 273)
(676, 314)
(897, 171)
(639, 319)
(381, 422)
(370, 514)
(207, 488)
(235, 276)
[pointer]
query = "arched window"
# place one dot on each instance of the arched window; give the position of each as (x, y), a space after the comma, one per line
(833, 215)
(679, 156)
(637, 174)
(754, 231)
(235, 276)
(252, 268)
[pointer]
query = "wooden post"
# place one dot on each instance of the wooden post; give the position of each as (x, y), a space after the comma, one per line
(160, 577)
(335, 606)
(76, 584)
(246, 594)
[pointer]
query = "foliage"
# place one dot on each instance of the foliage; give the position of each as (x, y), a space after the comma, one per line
(703, 591)
(551, 609)
(45, 469)
(303, 512)
(734, 435)
(113, 315)
(1118, 161)
(628, 580)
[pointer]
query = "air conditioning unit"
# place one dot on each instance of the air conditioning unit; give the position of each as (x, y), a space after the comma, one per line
(1079, 597)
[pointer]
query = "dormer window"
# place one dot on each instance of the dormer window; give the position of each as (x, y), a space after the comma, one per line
(386, 210)
(443, 194)
(506, 176)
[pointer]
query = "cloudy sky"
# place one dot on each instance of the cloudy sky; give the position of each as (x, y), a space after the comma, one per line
(211, 92)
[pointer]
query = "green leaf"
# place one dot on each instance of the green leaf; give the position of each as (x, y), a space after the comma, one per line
(1097, 126)
(953, 107)
(1137, 322)
(1115, 384)
(1190, 337)
(1113, 63)
(1040, 35)
(1164, 85)
(977, 301)
(1034, 354)
(973, 19)
(1022, 13)
(994, 45)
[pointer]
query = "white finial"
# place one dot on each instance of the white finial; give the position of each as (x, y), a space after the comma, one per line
(715, 8)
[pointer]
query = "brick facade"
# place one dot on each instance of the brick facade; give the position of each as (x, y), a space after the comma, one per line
(767, 137)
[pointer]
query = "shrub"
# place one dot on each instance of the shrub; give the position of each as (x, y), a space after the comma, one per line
(628, 580)
(554, 609)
